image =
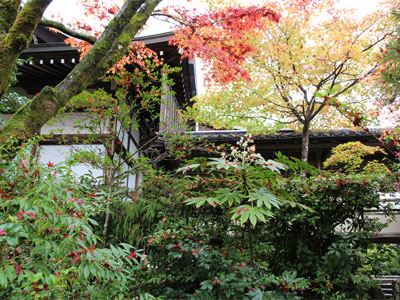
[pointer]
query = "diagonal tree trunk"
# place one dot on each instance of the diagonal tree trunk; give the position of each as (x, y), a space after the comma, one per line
(108, 50)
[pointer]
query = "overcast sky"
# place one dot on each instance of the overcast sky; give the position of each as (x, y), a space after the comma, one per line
(69, 9)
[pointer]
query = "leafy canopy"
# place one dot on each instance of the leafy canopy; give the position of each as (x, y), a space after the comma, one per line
(315, 55)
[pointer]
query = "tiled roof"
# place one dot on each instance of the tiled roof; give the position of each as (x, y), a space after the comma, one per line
(233, 135)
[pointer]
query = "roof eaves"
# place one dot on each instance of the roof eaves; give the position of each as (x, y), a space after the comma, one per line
(229, 135)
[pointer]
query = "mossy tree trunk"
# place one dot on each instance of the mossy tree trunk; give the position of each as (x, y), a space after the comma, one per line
(108, 49)
(16, 29)
(8, 14)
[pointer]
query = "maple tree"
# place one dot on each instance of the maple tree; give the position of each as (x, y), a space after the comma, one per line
(220, 37)
(389, 77)
(350, 158)
(388, 102)
(109, 47)
(298, 71)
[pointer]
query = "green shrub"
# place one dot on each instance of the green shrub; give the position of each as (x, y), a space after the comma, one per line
(49, 248)
(309, 241)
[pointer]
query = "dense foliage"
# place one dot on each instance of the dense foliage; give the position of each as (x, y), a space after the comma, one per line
(317, 55)
(351, 158)
(49, 242)
(205, 237)
(231, 227)
(389, 79)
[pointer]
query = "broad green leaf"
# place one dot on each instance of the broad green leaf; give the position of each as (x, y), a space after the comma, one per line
(198, 201)
(93, 270)
(3, 279)
(274, 166)
(12, 241)
(260, 216)
(253, 219)
(213, 202)
(35, 277)
(11, 228)
(86, 271)
(244, 217)
(221, 163)
(227, 195)
(264, 198)
(10, 272)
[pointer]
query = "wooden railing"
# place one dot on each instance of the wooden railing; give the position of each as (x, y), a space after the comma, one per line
(390, 286)
(169, 115)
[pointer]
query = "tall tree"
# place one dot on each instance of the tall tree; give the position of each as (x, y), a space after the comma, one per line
(302, 65)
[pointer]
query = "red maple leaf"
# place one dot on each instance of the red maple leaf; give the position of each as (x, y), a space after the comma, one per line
(91, 249)
(220, 37)
(18, 269)
(20, 214)
(132, 255)
(31, 214)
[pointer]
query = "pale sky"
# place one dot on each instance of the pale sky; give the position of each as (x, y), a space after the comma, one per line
(69, 9)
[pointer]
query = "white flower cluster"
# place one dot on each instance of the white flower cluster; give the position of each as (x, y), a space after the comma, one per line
(243, 153)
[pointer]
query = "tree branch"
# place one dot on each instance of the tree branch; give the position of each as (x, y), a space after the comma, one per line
(335, 74)
(376, 42)
(261, 117)
(72, 33)
(284, 108)
(356, 80)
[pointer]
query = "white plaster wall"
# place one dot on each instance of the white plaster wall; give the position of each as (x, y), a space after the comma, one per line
(135, 133)
(125, 168)
(59, 153)
(69, 124)
(392, 201)
(132, 148)
(132, 181)
(394, 226)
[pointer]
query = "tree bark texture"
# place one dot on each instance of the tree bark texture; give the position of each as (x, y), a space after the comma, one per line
(15, 39)
(305, 142)
(8, 13)
(64, 29)
(108, 50)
